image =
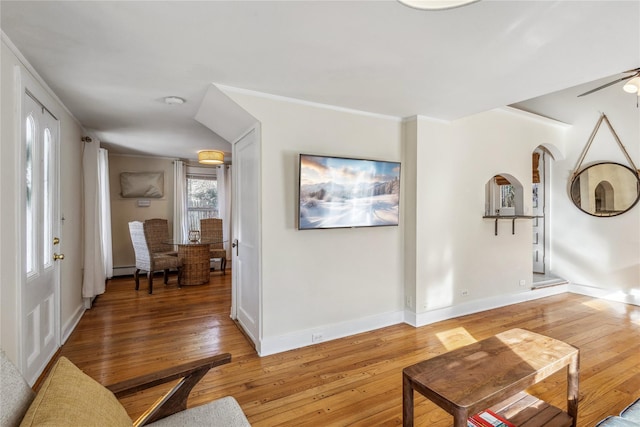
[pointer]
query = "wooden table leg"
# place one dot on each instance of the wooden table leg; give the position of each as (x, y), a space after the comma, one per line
(460, 418)
(573, 373)
(407, 402)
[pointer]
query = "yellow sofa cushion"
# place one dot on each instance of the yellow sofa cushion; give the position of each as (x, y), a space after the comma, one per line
(69, 397)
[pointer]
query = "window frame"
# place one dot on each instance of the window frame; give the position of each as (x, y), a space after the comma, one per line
(202, 174)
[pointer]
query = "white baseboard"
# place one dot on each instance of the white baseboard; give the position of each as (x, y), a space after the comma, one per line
(446, 313)
(607, 294)
(304, 338)
(71, 324)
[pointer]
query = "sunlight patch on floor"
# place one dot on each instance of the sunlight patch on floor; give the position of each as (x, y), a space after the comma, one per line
(617, 302)
(597, 304)
(455, 338)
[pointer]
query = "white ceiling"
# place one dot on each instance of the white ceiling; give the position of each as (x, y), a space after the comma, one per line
(112, 62)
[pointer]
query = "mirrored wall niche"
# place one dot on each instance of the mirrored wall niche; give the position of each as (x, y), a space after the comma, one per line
(605, 189)
(504, 196)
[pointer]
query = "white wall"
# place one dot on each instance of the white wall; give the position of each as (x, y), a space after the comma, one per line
(124, 210)
(12, 179)
(334, 282)
(600, 256)
(456, 250)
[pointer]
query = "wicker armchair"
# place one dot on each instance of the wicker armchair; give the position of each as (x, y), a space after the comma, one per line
(69, 397)
(211, 230)
(147, 261)
(157, 233)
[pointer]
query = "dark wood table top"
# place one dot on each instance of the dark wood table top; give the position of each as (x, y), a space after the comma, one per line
(476, 376)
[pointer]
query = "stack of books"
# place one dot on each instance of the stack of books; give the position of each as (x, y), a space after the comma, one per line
(488, 419)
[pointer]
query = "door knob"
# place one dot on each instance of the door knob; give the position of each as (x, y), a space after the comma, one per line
(56, 240)
(235, 245)
(58, 257)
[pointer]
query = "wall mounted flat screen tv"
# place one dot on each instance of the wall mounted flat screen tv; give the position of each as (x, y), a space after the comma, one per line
(338, 192)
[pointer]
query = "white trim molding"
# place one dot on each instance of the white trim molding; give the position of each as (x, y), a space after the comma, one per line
(70, 325)
(303, 338)
(233, 89)
(35, 75)
(446, 313)
(627, 297)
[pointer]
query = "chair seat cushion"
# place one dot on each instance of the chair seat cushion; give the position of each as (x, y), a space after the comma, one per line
(164, 262)
(69, 397)
(170, 253)
(225, 412)
(217, 253)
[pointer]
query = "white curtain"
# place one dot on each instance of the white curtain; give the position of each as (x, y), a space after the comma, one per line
(223, 175)
(98, 261)
(105, 211)
(180, 230)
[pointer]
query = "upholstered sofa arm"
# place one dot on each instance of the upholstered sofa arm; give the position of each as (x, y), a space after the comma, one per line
(174, 400)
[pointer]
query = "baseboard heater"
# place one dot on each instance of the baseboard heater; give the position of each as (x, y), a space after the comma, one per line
(124, 271)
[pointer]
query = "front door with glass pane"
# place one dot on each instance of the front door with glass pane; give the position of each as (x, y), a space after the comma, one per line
(39, 329)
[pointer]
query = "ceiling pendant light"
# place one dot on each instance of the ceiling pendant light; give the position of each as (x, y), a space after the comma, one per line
(436, 4)
(210, 157)
(633, 85)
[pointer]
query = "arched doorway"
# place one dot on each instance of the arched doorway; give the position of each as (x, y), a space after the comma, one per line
(542, 158)
(604, 196)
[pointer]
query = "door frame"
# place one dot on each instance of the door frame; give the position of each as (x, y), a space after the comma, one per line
(552, 155)
(545, 208)
(548, 158)
(24, 83)
(235, 284)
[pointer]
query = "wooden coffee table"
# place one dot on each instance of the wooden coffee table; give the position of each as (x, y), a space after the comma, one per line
(492, 374)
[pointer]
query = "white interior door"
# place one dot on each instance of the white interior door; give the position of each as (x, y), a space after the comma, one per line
(538, 204)
(40, 335)
(246, 224)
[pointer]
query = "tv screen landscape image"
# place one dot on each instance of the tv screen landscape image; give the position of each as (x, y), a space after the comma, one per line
(338, 192)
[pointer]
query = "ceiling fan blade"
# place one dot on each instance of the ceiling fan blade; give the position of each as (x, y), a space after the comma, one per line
(609, 84)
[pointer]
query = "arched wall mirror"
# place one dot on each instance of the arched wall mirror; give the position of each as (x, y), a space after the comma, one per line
(605, 189)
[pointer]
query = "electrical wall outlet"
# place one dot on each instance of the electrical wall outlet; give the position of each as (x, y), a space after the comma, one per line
(465, 292)
(523, 282)
(317, 337)
(409, 301)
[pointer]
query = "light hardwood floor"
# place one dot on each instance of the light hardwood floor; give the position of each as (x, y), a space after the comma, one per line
(354, 381)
